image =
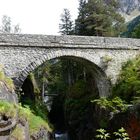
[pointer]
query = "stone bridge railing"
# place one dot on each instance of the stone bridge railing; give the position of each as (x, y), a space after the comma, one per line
(27, 40)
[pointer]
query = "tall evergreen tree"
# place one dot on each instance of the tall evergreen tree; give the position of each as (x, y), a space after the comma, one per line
(66, 25)
(136, 32)
(80, 27)
(99, 17)
(7, 26)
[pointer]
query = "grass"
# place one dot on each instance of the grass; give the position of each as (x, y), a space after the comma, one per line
(18, 133)
(35, 122)
(8, 109)
(8, 81)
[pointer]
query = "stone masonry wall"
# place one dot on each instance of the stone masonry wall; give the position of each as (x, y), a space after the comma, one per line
(21, 54)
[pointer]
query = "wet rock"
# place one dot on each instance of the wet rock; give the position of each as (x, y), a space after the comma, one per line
(41, 134)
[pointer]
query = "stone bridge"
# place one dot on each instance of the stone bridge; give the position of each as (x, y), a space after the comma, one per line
(21, 54)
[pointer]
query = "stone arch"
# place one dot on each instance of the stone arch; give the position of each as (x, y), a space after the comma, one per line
(102, 81)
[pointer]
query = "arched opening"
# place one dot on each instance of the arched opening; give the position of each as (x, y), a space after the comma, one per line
(70, 84)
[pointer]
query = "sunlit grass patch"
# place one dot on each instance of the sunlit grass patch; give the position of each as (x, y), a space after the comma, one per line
(8, 81)
(8, 109)
(18, 133)
(35, 122)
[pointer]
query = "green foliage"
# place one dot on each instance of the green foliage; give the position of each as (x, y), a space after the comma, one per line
(2, 75)
(121, 134)
(66, 26)
(128, 85)
(104, 122)
(99, 17)
(114, 105)
(17, 133)
(8, 81)
(8, 109)
(7, 26)
(136, 100)
(38, 108)
(80, 27)
(133, 28)
(78, 89)
(35, 85)
(136, 32)
(103, 135)
(35, 122)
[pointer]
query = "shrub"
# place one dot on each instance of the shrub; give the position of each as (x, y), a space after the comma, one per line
(128, 85)
(114, 105)
(9, 83)
(8, 109)
(35, 122)
(18, 133)
(121, 134)
(103, 135)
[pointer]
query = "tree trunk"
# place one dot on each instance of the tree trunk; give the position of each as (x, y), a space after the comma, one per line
(43, 91)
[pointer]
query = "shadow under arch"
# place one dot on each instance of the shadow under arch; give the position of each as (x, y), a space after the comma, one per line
(103, 84)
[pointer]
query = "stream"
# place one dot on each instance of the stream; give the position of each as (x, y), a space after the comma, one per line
(61, 136)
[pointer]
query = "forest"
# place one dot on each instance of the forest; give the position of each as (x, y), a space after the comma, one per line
(61, 96)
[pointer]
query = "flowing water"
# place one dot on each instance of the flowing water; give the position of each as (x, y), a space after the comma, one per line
(61, 136)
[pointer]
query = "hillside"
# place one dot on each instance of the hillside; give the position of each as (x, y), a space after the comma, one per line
(129, 9)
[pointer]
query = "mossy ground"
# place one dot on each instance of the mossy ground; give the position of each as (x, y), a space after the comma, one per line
(35, 122)
(8, 109)
(18, 133)
(7, 81)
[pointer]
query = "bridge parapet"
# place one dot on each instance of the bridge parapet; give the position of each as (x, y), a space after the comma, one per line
(48, 41)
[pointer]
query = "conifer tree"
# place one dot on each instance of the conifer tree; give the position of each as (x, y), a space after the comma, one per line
(7, 26)
(136, 32)
(80, 27)
(66, 25)
(100, 18)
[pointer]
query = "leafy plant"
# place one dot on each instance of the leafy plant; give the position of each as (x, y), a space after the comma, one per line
(128, 85)
(102, 134)
(18, 133)
(114, 105)
(8, 81)
(35, 122)
(121, 134)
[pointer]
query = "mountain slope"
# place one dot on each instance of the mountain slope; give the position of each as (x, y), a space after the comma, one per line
(129, 9)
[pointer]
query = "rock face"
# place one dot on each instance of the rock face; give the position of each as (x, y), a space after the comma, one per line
(6, 124)
(129, 9)
(41, 134)
(7, 95)
(128, 6)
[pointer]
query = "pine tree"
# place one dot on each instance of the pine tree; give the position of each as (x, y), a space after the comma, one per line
(66, 25)
(80, 27)
(100, 18)
(136, 32)
(7, 26)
